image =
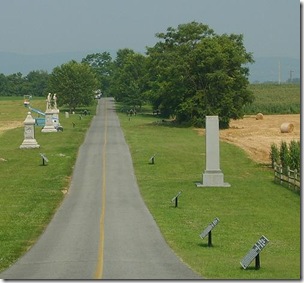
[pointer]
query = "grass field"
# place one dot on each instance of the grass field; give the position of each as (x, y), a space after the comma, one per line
(253, 206)
(30, 193)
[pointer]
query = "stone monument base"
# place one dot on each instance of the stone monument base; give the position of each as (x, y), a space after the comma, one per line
(48, 129)
(49, 126)
(29, 143)
(55, 118)
(213, 178)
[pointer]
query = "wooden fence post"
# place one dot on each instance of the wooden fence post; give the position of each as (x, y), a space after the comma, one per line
(292, 177)
(281, 174)
(288, 175)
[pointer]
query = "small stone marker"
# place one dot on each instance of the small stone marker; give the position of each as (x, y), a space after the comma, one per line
(208, 230)
(254, 253)
(175, 199)
(213, 176)
(29, 133)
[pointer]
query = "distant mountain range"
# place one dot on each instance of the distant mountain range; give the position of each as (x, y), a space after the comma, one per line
(14, 62)
(263, 70)
(273, 69)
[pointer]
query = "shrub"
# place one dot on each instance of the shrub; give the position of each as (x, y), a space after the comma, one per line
(287, 155)
(294, 155)
(274, 155)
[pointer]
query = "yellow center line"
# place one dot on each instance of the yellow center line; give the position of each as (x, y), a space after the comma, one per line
(99, 268)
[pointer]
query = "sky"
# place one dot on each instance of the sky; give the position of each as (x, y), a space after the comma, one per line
(270, 27)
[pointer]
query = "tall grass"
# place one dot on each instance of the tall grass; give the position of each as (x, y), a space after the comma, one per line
(275, 99)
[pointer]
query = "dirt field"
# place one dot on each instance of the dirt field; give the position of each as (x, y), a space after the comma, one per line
(256, 136)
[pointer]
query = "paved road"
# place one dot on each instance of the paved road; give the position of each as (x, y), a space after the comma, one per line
(103, 229)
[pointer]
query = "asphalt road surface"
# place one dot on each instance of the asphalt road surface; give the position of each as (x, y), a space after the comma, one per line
(103, 229)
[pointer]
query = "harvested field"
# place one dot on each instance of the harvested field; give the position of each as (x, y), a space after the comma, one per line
(8, 125)
(256, 136)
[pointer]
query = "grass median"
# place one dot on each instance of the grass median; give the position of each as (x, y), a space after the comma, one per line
(253, 206)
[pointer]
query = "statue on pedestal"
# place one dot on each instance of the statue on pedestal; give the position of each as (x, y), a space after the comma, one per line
(48, 101)
(55, 101)
(51, 115)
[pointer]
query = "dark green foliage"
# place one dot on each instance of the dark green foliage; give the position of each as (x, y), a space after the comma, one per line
(287, 155)
(295, 155)
(274, 155)
(74, 83)
(102, 65)
(128, 81)
(34, 83)
(37, 82)
(194, 73)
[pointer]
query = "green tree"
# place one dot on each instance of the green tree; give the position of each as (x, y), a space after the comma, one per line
(3, 85)
(74, 83)
(102, 65)
(15, 85)
(36, 83)
(128, 82)
(195, 72)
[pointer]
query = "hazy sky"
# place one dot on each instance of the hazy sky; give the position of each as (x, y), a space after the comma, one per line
(270, 27)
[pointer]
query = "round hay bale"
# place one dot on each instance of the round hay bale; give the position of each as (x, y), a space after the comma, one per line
(287, 128)
(259, 116)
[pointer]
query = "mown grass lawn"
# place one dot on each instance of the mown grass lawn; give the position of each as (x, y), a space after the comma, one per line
(253, 206)
(29, 192)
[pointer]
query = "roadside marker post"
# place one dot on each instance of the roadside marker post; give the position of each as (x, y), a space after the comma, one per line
(152, 159)
(254, 253)
(208, 230)
(44, 159)
(175, 199)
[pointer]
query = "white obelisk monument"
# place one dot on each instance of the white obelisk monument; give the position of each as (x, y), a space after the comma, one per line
(213, 175)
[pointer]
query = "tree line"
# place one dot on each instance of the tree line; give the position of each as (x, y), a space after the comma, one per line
(189, 73)
(34, 83)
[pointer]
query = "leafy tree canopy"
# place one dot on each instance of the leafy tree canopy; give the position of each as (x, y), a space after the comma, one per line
(102, 65)
(34, 83)
(74, 83)
(128, 82)
(195, 72)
